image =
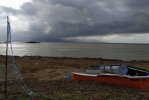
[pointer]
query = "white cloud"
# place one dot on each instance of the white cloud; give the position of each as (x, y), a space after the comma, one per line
(19, 23)
(12, 3)
(115, 38)
(131, 38)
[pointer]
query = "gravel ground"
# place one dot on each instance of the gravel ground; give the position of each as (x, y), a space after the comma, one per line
(46, 76)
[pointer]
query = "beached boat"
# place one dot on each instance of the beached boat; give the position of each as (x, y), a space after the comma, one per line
(114, 74)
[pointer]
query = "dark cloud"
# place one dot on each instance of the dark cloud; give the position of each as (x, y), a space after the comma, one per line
(6, 10)
(29, 9)
(54, 20)
(79, 4)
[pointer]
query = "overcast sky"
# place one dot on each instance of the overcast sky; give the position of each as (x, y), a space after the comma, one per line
(118, 21)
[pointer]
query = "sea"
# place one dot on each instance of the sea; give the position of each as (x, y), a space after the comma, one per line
(119, 51)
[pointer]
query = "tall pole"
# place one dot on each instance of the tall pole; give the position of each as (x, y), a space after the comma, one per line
(8, 25)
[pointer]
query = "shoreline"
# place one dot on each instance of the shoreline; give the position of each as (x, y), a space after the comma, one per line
(86, 61)
(94, 58)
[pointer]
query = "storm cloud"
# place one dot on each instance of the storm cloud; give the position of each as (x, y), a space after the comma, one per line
(56, 20)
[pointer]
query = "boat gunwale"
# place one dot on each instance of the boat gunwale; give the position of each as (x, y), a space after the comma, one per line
(108, 74)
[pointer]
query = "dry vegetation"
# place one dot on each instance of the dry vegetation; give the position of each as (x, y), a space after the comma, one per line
(46, 76)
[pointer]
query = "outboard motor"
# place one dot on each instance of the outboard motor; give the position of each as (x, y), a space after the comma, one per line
(121, 69)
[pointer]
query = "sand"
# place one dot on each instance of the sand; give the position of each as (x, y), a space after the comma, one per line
(47, 75)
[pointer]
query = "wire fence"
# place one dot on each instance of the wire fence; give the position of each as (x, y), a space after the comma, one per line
(12, 65)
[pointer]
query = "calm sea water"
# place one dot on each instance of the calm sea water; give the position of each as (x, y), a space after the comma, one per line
(110, 51)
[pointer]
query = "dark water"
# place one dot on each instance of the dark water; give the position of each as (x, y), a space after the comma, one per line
(110, 51)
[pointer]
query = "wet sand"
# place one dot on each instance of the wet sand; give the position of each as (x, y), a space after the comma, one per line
(46, 75)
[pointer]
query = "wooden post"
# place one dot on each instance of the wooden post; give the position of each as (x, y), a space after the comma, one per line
(6, 58)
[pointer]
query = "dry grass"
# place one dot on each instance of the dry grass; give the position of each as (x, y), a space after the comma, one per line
(46, 75)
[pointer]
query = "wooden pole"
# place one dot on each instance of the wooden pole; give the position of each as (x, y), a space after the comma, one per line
(6, 58)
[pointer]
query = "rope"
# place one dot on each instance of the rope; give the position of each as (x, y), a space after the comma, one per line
(16, 70)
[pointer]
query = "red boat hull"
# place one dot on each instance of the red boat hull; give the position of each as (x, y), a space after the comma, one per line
(139, 82)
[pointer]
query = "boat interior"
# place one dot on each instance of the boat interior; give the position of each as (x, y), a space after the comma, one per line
(133, 71)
